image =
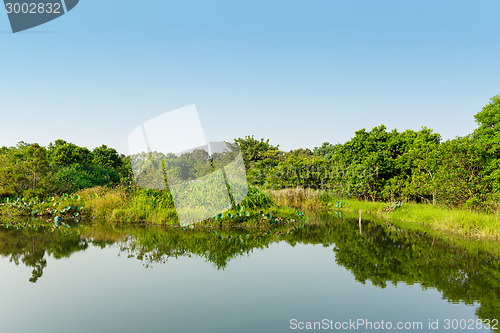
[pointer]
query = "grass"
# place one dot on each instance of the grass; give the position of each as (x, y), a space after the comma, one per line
(122, 204)
(408, 215)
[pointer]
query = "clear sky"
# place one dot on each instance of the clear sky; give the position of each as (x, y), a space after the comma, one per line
(297, 72)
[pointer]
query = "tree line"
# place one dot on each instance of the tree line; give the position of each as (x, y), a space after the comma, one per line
(377, 165)
(382, 165)
(32, 170)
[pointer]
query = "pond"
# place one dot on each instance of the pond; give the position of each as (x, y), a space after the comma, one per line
(324, 276)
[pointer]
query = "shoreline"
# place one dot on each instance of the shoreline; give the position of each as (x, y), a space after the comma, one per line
(465, 223)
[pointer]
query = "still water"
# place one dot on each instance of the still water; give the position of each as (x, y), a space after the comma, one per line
(136, 279)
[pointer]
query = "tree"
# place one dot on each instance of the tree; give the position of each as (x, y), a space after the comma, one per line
(36, 163)
(366, 163)
(489, 124)
(64, 154)
(13, 178)
(327, 150)
(106, 157)
(254, 150)
(301, 152)
(424, 157)
(459, 177)
(488, 134)
(23, 168)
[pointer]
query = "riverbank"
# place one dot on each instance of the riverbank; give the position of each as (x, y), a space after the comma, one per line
(133, 205)
(404, 215)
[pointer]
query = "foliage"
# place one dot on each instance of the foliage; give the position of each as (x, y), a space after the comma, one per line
(382, 165)
(31, 170)
(375, 165)
(64, 154)
(258, 151)
(106, 157)
(488, 133)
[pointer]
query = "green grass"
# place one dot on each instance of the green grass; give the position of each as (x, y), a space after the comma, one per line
(408, 215)
(464, 222)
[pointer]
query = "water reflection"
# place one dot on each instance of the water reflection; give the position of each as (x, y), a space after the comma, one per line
(32, 248)
(382, 255)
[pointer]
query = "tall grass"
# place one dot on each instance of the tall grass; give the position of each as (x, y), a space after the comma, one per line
(308, 199)
(257, 199)
(123, 204)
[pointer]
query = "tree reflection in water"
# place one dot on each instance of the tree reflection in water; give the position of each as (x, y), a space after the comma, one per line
(381, 254)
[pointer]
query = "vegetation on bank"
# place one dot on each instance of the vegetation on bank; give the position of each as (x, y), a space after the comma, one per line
(132, 204)
(431, 179)
(381, 165)
(408, 215)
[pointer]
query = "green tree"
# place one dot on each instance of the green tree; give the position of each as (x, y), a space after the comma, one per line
(300, 152)
(488, 134)
(36, 164)
(459, 178)
(106, 157)
(13, 179)
(366, 163)
(23, 168)
(326, 150)
(421, 162)
(63, 154)
(254, 150)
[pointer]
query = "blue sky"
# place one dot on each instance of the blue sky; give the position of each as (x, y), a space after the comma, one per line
(297, 72)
